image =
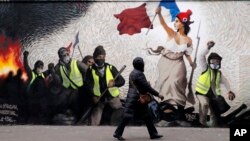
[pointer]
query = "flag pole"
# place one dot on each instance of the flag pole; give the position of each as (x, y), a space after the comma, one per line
(151, 24)
(190, 95)
(80, 51)
(76, 42)
(73, 52)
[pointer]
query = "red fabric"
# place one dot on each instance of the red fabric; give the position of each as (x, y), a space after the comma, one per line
(132, 20)
(185, 16)
(69, 47)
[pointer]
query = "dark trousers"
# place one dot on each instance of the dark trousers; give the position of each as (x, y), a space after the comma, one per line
(148, 121)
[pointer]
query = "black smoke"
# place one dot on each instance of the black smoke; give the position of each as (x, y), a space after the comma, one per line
(30, 21)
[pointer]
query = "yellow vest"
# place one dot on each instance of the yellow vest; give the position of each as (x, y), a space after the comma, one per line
(34, 76)
(204, 82)
(75, 75)
(114, 91)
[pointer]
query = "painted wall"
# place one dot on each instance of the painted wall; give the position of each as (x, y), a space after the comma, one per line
(44, 28)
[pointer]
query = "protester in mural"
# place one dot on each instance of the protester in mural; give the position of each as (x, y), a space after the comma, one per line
(69, 75)
(133, 108)
(88, 60)
(100, 77)
(37, 70)
(172, 80)
(209, 85)
(36, 92)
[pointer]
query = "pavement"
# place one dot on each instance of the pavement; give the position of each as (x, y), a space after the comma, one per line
(104, 133)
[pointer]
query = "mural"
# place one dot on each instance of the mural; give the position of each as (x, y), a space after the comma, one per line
(123, 30)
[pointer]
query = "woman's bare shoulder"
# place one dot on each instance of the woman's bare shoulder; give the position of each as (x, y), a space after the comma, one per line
(189, 41)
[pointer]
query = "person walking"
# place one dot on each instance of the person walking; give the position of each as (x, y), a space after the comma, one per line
(133, 108)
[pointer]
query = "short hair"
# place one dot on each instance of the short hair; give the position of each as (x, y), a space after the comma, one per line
(86, 58)
(38, 63)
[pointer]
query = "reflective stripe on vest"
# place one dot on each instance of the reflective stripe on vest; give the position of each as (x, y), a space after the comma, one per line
(34, 76)
(114, 91)
(204, 82)
(75, 75)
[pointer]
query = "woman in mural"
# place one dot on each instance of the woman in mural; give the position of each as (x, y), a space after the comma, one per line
(172, 80)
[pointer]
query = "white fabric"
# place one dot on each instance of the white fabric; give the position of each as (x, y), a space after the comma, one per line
(172, 46)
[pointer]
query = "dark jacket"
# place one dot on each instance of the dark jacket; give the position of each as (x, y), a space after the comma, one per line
(132, 106)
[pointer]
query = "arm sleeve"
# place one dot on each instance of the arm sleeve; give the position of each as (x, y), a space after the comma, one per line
(82, 67)
(120, 80)
(27, 67)
(225, 82)
(143, 85)
(202, 59)
(89, 81)
(46, 73)
(56, 76)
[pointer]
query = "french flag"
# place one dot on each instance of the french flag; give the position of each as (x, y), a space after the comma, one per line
(132, 20)
(171, 6)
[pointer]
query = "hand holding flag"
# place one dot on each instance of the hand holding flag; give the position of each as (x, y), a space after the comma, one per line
(171, 6)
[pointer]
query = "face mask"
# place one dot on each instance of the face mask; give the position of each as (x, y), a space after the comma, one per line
(39, 70)
(66, 59)
(214, 67)
(99, 62)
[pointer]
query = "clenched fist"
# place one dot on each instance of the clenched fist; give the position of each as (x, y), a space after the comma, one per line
(210, 44)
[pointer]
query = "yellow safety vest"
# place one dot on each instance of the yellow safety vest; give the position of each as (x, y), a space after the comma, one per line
(34, 76)
(204, 82)
(75, 75)
(114, 91)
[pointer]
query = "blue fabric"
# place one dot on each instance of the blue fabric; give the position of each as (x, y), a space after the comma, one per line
(172, 6)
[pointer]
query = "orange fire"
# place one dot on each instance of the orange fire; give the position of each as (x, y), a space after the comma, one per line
(10, 55)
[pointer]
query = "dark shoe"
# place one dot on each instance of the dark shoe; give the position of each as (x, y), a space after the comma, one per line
(118, 137)
(157, 136)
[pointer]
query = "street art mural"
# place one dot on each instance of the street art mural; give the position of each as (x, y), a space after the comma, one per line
(176, 62)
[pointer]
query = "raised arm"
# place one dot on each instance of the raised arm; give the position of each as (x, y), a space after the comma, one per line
(202, 56)
(26, 64)
(169, 30)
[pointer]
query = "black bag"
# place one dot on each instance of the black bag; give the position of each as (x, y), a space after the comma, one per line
(219, 104)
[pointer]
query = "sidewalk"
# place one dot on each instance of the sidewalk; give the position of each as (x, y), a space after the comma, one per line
(104, 133)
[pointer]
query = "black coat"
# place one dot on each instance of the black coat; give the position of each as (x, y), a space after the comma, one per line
(132, 106)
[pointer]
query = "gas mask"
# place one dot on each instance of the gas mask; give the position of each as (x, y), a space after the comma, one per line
(66, 59)
(39, 70)
(215, 66)
(99, 62)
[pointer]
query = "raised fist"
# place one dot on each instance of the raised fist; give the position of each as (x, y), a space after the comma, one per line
(210, 44)
(25, 53)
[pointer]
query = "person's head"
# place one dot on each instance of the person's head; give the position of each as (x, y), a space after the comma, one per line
(64, 56)
(88, 60)
(138, 64)
(38, 66)
(182, 21)
(99, 56)
(214, 61)
(19, 73)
